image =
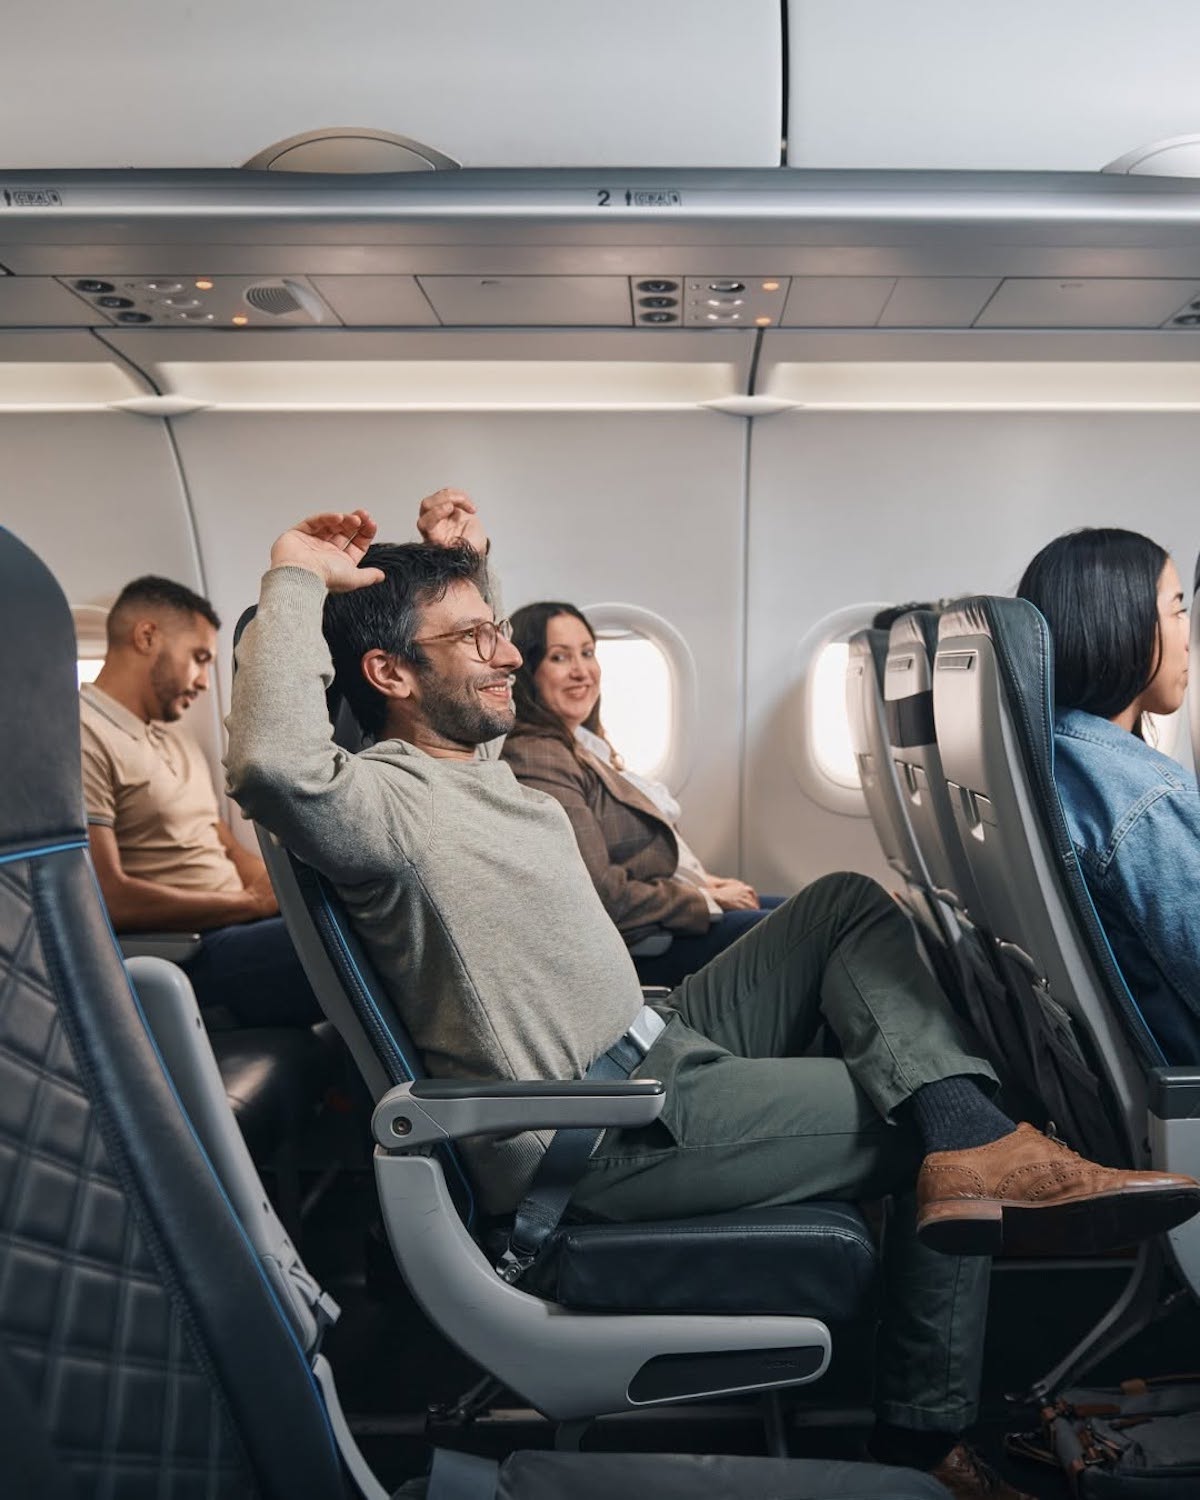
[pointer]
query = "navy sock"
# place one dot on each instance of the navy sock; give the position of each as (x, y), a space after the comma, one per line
(954, 1114)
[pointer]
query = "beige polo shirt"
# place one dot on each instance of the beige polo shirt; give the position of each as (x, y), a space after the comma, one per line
(150, 784)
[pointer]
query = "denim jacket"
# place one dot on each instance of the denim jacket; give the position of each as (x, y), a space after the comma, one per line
(1134, 818)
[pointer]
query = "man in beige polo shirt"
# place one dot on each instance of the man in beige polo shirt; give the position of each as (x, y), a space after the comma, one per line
(164, 857)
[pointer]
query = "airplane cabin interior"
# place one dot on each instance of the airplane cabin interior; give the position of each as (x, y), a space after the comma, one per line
(739, 325)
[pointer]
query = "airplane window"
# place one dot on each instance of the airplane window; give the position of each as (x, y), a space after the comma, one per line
(648, 691)
(91, 640)
(1163, 731)
(637, 699)
(830, 724)
(817, 724)
(87, 670)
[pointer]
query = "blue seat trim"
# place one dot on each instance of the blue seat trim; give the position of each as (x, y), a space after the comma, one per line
(8, 859)
(412, 1069)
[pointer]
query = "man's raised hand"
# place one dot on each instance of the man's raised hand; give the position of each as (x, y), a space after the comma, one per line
(448, 517)
(332, 545)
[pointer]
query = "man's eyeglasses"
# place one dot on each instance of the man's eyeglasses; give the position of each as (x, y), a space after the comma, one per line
(484, 637)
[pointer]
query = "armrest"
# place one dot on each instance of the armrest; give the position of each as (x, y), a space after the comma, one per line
(655, 992)
(175, 947)
(1174, 1093)
(431, 1111)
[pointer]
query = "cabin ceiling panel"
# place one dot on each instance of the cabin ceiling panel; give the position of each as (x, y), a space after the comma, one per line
(510, 301)
(1062, 87)
(1095, 302)
(377, 301)
(39, 302)
(539, 83)
(936, 301)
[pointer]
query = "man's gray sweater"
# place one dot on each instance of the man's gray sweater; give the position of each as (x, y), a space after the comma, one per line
(466, 888)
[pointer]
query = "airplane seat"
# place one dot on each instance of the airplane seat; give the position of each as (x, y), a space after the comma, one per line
(718, 1290)
(868, 739)
(158, 1334)
(912, 739)
(890, 801)
(1093, 1060)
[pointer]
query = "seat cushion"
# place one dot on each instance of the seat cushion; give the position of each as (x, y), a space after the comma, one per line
(274, 1078)
(812, 1260)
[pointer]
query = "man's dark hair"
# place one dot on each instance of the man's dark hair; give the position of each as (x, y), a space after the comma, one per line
(529, 637)
(387, 616)
(1098, 589)
(152, 592)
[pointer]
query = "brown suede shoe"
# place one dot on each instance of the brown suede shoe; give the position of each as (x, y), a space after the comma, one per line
(1031, 1195)
(966, 1475)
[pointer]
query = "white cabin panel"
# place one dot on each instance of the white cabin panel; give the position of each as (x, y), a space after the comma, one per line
(99, 497)
(644, 509)
(851, 508)
(1066, 87)
(534, 84)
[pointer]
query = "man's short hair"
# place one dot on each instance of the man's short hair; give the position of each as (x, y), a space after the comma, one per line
(152, 592)
(386, 616)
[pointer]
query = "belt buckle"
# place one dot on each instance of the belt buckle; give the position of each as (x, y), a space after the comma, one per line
(646, 1029)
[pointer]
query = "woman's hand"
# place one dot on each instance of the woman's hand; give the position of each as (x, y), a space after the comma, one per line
(733, 895)
(448, 517)
(331, 545)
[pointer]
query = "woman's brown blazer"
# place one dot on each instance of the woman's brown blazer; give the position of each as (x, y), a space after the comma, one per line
(628, 846)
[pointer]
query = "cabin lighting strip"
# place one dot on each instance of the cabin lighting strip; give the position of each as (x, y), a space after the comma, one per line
(952, 385)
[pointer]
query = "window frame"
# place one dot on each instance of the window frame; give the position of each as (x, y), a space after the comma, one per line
(815, 781)
(633, 619)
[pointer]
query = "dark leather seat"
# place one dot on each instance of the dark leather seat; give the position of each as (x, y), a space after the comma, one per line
(274, 1079)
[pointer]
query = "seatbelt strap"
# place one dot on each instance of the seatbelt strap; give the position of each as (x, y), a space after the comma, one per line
(566, 1157)
(462, 1476)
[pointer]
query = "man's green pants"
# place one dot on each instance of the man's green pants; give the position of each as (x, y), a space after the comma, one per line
(750, 1122)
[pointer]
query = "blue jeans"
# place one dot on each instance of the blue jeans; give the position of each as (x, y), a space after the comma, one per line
(253, 972)
(688, 954)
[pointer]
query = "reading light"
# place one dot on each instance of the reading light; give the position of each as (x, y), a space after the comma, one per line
(204, 286)
(770, 286)
(239, 320)
(763, 322)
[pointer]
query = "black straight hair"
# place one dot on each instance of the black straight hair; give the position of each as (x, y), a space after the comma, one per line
(529, 625)
(1098, 589)
(152, 592)
(386, 616)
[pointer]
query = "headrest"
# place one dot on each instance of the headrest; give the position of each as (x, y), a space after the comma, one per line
(917, 628)
(347, 731)
(873, 644)
(41, 797)
(1025, 657)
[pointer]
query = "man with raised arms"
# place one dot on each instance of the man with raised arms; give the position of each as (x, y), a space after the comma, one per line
(470, 895)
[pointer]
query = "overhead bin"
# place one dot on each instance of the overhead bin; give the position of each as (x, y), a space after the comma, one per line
(1066, 87)
(529, 83)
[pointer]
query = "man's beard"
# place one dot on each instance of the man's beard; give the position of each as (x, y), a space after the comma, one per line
(166, 690)
(459, 715)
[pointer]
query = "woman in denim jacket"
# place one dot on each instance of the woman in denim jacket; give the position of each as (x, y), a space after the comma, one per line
(1119, 622)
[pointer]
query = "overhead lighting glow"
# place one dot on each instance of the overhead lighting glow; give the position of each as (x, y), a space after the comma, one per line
(979, 385)
(770, 286)
(240, 320)
(204, 286)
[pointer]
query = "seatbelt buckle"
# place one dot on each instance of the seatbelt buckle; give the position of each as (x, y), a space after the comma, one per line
(512, 1265)
(646, 1029)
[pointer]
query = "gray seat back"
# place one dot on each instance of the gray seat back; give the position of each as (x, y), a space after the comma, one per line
(872, 755)
(1089, 1047)
(912, 737)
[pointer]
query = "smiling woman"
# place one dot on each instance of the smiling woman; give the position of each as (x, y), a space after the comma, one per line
(653, 886)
